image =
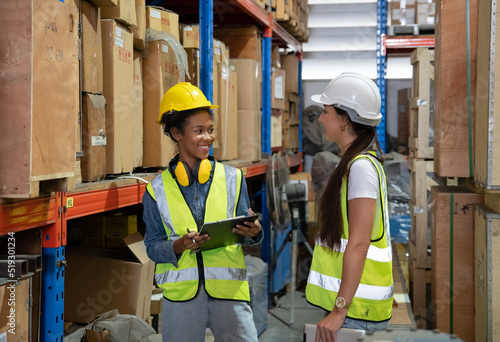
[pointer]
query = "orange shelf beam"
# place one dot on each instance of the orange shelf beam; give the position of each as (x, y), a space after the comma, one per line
(23, 215)
(409, 42)
(97, 201)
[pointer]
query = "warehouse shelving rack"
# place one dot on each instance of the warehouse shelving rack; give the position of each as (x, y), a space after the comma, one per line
(51, 213)
(385, 46)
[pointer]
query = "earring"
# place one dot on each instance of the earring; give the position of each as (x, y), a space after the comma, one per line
(342, 128)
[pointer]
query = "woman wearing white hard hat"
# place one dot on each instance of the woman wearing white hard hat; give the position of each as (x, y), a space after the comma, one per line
(351, 270)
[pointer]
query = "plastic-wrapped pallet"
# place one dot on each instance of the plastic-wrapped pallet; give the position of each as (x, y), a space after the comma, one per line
(257, 279)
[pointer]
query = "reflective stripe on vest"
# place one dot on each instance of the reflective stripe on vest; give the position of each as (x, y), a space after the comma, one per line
(224, 268)
(373, 298)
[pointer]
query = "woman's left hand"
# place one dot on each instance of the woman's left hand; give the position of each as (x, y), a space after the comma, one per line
(327, 328)
(250, 229)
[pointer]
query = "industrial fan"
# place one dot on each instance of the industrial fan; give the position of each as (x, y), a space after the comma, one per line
(286, 203)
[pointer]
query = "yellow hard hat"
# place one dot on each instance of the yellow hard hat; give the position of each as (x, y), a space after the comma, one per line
(183, 96)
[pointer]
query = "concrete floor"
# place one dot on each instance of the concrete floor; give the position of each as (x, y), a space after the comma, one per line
(278, 327)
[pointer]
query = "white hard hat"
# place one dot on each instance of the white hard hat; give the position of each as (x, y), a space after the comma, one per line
(356, 94)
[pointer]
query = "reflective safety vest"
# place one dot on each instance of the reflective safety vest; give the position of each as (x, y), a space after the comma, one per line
(224, 268)
(374, 295)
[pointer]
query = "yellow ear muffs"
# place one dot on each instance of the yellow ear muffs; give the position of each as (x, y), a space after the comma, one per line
(204, 171)
(182, 174)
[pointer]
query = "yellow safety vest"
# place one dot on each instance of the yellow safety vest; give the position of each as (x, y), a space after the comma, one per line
(224, 268)
(374, 296)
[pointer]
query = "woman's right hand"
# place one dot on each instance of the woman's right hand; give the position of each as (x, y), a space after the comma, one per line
(327, 328)
(192, 240)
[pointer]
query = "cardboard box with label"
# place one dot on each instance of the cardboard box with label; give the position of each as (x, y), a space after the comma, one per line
(190, 36)
(92, 81)
(164, 20)
(124, 12)
(137, 110)
(249, 134)
(15, 320)
(226, 121)
(93, 162)
(278, 89)
(118, 57)
(249, 83)
(160, 73)
(99, 280)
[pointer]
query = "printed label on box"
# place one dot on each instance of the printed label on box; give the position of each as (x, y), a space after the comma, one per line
(155, 14)
(124, 55)
(188, 28)
(119, 42)
(164, 48)
(197, 53)
(225, 72)
(278, 87)
(118, 32)
(98, 141)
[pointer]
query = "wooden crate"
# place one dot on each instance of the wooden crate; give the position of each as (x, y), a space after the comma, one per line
(486, 275)
(283, 10)
(422, 179)
(421, 141)
(487, 143)
(451, 113)
(453, 260)
(38, 96)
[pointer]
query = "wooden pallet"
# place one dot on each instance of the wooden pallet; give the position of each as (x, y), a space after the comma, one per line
(422, 105)
(422, 179)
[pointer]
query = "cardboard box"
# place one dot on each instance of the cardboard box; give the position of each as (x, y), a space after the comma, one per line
(193, 56)
(290, 63)
(140, 30)
(190, 36)
(275, 57)
(93, 162)
(39, 95)
(243, 41)
(15, 326)
(159, 74)
(92, 81)
(227, 121)
(124, 12)
(278, 89)
(276, 129)
(99, 280)
(164, 20)
(137, 110)
(249, 84)
(117, 228)
(118, 90)
(249, 134)
(403, 117)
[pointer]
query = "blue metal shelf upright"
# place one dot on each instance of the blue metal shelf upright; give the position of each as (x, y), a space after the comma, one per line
(382, 68)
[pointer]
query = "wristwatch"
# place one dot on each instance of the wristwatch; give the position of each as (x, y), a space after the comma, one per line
(341, 303)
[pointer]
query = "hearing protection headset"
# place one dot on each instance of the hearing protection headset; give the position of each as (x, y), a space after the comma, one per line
(202, 171)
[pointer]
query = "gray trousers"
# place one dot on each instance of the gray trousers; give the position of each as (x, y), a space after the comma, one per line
(229, 320)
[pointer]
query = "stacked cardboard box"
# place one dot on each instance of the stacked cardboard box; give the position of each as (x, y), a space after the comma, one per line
(291, 120)
(249, 80)
(93, 162)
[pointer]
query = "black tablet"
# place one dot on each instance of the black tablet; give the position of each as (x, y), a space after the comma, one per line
(221, 232)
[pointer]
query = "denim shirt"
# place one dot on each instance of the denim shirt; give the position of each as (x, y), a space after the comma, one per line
(158, 247)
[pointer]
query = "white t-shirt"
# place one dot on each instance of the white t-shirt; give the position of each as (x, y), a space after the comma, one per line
(363, 180)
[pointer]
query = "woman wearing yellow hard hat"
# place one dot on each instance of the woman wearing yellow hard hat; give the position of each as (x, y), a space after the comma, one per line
(207, 288)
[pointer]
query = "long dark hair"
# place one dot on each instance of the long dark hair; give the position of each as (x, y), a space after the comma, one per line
(329, 207)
